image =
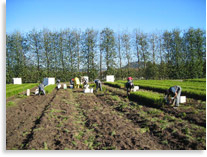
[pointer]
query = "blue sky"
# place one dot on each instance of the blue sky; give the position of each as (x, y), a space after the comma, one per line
(147, 15)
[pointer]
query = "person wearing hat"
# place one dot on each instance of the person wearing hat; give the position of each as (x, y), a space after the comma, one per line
(129, 85)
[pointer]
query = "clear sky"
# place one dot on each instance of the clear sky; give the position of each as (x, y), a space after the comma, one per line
(147, 15)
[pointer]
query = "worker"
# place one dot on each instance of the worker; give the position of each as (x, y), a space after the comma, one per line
(129, 85)
(173, 95)
(98, 84)
(85, 82)
(72, 82)
(76, 82)
(58, 81)
(41, 89)
(58, 84)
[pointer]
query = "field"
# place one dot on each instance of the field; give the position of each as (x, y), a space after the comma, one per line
(69, 119)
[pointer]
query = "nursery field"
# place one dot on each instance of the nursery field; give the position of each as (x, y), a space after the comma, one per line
(68, 119)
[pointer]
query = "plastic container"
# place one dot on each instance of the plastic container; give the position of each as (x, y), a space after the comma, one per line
(28, 92)
(64, 86)
(183, 99)
(136, 88)
(87, 90)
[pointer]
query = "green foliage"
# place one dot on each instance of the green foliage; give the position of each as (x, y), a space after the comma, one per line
(115, 84)
(148, 98)
(192, 89)
(15, 89)
(49, 88)
(179, 54)
(10, 104)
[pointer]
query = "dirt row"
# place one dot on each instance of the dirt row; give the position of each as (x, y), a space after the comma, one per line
(113, 131)
(70, 119)
(172, 131)
(194, 110)
(22, 118)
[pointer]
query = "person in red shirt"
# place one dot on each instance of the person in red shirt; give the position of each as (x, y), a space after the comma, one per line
(129, 85)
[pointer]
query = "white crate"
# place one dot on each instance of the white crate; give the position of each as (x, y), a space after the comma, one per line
(109, 78)
(87, 90)
(64, 86)
(36, 91)
(182, 99)
(17, 80)
(28, 92)
(48, 81)
(59, 86)
(136, 88)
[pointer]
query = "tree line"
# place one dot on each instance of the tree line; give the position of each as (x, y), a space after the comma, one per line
(64, 54)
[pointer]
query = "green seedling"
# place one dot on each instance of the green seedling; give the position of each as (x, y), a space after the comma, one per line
(113, 133)
(45, 146)
(10, 104)
(165, 142)
(144, 130)
(74, 143)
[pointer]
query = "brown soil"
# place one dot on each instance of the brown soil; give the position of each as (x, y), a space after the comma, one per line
(193, 110)
(70, 119)
(174, 134)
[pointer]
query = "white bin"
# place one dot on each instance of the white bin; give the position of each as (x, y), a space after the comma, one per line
(28, 92)
(49, 80)
(110, 78)
(59, 86)
(183, 99)
(87, 90)
(136, 88)
(17, 80)
(64, 86)
(91, 90)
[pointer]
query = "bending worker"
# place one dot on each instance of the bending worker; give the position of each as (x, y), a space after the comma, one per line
(41, 89)
(98, 84)
(58, 84)
(174, 92)
(76, 82)
(129, 85)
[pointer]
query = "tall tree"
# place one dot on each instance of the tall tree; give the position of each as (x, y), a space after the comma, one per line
(47, 49)
(35, 42)
(107, 45)
(127, 47)
(89, 49)
(144, 46)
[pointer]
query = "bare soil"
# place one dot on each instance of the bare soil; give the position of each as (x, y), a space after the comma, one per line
(71, 120)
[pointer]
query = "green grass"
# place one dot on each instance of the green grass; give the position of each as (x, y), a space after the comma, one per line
(50, 88)
(10, 104)
(193, 89)
(12, 90)
(115, 84)
(148, 98)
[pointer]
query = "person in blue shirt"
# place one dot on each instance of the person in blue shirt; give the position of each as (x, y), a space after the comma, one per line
(41, 89)
(98, 84)
(174, 92)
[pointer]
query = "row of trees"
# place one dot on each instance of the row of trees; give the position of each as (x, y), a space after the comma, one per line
(67, 53)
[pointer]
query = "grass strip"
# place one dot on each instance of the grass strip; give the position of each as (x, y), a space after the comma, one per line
(148, 98)
(50, 88)
(20, 89)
